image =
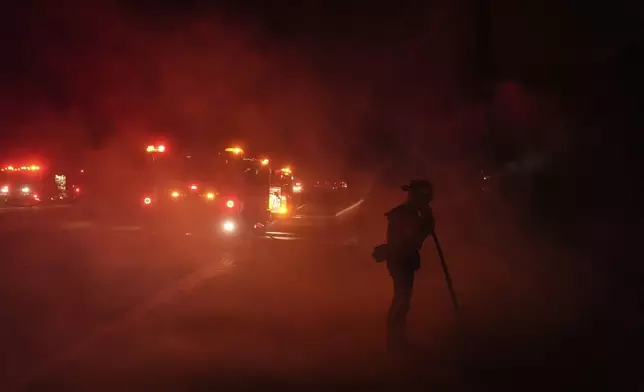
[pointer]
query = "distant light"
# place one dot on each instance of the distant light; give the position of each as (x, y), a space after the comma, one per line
(265, 162)
(77, 190)
(210, 196)
(230, 204)
(150, 148)
(82, 171)
(147, 201)
(174, 194)
(297, 188)
(161, 148)
(193, 187)
(286, 170)
(36, 197)
(25, 190)
(4, 189)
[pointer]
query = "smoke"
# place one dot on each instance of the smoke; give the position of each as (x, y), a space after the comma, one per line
(102, 75)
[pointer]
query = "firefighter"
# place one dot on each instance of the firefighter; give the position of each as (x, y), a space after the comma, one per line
(409, 224)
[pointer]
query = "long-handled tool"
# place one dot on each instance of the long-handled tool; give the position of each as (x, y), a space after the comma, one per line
(448, 278)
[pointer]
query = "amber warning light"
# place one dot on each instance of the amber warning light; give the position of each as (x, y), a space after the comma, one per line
(153, 148)
(235, 150)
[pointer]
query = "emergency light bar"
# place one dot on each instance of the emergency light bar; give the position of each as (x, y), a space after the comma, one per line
(235, 150)
(21, 168)
(159, 148)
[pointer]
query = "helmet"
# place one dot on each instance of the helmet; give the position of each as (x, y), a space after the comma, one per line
(419, 187)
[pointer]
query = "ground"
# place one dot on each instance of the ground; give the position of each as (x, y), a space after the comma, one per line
(103, 306)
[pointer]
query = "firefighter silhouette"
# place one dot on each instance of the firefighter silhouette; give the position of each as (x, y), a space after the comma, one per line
(409, 224)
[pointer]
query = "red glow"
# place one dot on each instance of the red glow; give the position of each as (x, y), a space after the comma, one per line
(77, 190)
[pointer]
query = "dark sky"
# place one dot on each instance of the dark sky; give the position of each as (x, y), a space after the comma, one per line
(321, 75)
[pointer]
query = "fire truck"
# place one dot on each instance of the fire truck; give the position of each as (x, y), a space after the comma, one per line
(286, 192)
(226, 191)
(31, 184)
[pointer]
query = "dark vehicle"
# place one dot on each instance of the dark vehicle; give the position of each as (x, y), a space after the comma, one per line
(224, 193)
(327, 191)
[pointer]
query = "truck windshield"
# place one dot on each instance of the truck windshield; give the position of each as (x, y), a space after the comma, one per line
(19, 177)
(214, 170)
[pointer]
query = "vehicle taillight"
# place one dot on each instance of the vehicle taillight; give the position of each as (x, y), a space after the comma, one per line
(230, 204)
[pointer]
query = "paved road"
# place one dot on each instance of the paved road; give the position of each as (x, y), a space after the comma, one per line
(92, 307)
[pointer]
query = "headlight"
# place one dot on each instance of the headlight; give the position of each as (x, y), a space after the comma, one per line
(25, 190)
(229, 226)
(4, 189)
